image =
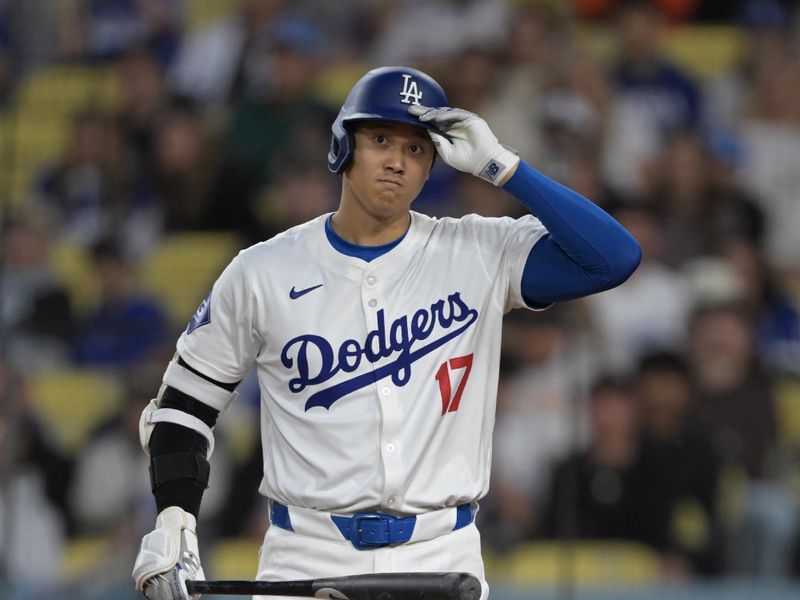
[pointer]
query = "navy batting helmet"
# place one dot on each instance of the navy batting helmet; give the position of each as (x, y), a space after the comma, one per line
(385, 94)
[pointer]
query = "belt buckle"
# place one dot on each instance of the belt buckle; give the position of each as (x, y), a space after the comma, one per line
(355, 530)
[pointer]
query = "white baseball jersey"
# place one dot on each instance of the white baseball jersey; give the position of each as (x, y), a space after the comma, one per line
(378, 379)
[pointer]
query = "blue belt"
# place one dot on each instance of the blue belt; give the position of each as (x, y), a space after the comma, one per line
(369, 530)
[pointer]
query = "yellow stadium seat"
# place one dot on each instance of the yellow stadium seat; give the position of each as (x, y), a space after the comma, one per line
(83, 554)
(704, 50)
(181, 271)
(233, 558)
(239, 434)
(334, 82)
(38, 139)
(65, 89)
(39, 123)
(787, 406)
(593, 564)
(71, 403)
(204, 12)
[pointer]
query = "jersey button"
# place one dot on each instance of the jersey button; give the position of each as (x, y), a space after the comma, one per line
(390, 448)
(371, 280)
(386, 391)
(373, 302)
(390, 501)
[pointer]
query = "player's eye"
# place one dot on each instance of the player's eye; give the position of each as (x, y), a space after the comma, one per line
(416, 149)
(380, 139)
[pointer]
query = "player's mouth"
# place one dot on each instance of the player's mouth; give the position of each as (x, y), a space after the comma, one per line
(391, 182)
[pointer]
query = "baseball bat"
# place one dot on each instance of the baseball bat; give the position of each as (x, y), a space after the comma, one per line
(372, 586)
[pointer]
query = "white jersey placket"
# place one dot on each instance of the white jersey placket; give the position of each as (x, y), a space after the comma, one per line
(391, 415)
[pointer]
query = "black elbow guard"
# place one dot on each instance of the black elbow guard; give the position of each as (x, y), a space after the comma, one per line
(179, 469)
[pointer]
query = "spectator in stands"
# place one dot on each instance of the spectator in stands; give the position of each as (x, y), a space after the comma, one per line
(143, 99)
(7, 65)
(434, 31)
(33, 521)
(125, 326)
(472, 195)
(539, 418)
(681, 451)
(735, 401)
(220, 64)
(111, 486)
(652, 96)
(526, 67)
(570, 126)
(651, 311)
(95, 189)
(298, 191)
(608, 491)
(103, 29)
(768, 305)
(583, 172)
(698, 200)
(765, 34)
(35, 308)
(197, 186)
(734, 212)
(771, 135)
(289, 122)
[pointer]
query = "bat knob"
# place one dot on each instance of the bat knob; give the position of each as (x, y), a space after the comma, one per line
(468, 586)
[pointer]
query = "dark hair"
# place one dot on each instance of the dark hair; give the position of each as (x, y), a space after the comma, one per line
(610, 383)
(108, 249)
(663, 360)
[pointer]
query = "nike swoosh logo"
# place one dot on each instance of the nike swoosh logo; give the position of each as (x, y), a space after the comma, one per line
(294, 295)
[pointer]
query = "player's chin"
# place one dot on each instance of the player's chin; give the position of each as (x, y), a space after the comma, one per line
(393, 196)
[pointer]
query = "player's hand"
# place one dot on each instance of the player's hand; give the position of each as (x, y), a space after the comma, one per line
(470, 145)
(168, 557)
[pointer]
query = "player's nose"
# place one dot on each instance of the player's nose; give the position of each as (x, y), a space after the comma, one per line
(395, 160)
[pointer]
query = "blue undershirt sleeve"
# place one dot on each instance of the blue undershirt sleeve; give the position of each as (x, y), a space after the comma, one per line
(585, 250)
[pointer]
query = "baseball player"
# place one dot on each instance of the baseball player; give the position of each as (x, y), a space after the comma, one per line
(375, 333)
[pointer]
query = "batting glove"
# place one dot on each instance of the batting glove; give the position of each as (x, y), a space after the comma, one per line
(470, 145)
(168, 557)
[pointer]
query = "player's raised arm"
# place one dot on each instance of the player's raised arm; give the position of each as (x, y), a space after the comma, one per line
(585, 251)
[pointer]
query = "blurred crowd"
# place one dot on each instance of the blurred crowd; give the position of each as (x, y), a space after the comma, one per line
(665, 412)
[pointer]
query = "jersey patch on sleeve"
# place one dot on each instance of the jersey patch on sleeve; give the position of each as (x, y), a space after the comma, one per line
(202, 316)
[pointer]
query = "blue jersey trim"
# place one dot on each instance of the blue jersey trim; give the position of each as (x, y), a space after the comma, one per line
(365, 253)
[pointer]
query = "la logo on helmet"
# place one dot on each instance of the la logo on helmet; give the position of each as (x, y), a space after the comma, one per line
(411, 93)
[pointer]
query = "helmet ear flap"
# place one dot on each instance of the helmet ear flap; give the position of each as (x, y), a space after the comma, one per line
(341, 151)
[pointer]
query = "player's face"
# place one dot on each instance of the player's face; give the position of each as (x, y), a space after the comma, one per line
(390, 165)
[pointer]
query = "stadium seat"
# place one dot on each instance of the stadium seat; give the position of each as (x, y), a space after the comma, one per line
(593, 564)
(39, 123)
(234, 558)
(704, 50)
(182, 269)
(35, 139)
(71, 403)
(334, 82)
(201, 13)
(65, 89)
(83, 555)
(787, 406)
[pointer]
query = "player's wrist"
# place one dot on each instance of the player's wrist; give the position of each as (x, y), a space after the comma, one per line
(500, 166)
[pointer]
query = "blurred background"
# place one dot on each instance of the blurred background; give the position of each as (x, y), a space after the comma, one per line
(648, 438)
